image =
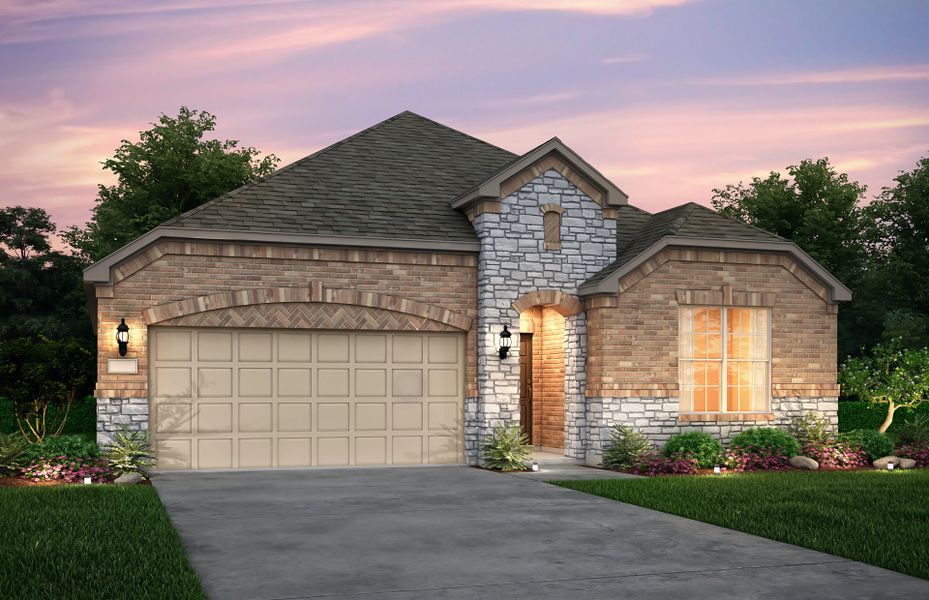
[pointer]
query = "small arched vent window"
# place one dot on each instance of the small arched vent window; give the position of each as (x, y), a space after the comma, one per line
(551, 225)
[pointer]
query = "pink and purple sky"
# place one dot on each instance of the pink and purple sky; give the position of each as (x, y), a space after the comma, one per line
(668, 98)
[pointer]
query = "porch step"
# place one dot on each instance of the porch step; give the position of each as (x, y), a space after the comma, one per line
(553, 457)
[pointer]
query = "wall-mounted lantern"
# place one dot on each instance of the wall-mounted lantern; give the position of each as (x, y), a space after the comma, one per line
(122, 337)
(504, 342)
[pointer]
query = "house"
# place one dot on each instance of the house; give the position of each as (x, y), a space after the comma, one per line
(348, 310)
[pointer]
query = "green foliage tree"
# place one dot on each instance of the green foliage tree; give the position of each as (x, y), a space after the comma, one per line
(170, 170)
(897, 235)
(891, 375)
(42, 377)
(41, 291)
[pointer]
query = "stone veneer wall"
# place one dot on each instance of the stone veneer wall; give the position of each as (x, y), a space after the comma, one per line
(657, 418)
(116, 414)
(575, 382)
(514, 262)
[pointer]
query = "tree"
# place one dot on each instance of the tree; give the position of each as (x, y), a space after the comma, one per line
(42, 377)
(819, 210)
(891, 375)
(40, 288)
(897, 234)
(170, 170)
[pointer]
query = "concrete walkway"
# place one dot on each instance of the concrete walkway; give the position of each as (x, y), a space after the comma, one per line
(461, 533)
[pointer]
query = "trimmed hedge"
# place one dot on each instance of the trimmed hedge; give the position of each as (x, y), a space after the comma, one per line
(861, 415)
(82, 420)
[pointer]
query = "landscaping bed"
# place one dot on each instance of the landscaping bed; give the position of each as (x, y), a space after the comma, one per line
(79, 541)
(877, 517)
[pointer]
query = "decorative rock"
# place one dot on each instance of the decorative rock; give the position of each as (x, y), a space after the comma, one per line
(803, 462)
(906, 463)
(882, 463)
(128, 479)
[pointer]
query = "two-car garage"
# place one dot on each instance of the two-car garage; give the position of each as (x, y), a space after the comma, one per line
(260, 398)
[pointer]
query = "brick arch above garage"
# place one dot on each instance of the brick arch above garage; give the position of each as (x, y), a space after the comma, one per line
(314, 306)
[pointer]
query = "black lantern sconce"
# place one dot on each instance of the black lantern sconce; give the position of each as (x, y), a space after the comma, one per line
(505, 341)
(122, 337)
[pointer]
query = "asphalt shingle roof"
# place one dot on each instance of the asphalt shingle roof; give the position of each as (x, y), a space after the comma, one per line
(687, 220)
(392, 180)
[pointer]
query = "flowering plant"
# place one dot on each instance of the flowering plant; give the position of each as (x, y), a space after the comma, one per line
(652, 463)
(835, 456)
(917, 451)
(754, 458)
(67, 470)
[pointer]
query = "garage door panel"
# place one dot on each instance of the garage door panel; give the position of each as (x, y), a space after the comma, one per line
(294, 452)
(255, 417)
(172, 418)
(255, 383)
(214, 382)
(214, 417)
(172, 382)
(294, 383)
(294, 416)
(333, 451)
(214, 453)
(256, 398)
(255, 453)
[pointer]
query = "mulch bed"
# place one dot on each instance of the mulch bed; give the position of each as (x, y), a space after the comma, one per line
(20, 482)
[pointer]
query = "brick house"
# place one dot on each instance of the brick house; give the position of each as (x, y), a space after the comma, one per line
(347, 310)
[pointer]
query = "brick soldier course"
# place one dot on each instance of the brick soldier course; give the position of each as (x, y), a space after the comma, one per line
(410, 226)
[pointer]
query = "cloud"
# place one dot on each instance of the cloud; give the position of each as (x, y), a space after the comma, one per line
(532, 100)
(618, 60)
(876, 74)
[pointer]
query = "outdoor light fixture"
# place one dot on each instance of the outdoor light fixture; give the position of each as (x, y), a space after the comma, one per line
(535, 466)
(505, 342)
(890, 466)
(122, 337)
(717, 470)
(87, 481)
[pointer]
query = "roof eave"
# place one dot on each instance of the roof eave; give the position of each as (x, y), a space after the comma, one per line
(490, 188)
(838, 292)
(101, 271)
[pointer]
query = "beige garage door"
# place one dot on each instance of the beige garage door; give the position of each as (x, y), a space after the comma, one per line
(245, 399)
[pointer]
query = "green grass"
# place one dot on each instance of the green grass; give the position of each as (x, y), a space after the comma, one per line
(877, 517)
(90, 542)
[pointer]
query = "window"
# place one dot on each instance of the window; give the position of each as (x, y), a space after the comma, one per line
(724, 359)
(551, 225)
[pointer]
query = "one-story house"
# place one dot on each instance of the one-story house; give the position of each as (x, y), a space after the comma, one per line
(348, 310)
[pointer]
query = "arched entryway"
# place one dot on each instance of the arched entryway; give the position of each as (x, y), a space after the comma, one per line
(542, 316)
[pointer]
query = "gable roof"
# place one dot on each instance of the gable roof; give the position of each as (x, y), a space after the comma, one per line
(490, 187)
(392, 180)
(694, 225)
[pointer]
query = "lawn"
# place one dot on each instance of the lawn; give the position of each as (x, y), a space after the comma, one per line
(90, 542)
(877, 517)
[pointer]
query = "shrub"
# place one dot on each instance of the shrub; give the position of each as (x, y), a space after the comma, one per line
(874, 443)
(812, 428)
(507, 449)
(82, 418)
(915, 431)
(836, 456)
(652, 463)
(706, 449)
(625, 447)
(67, 470)
(772, 441)
(130, 453)
(69, 446)
(918, 452)
(754, 459)
(12, 446)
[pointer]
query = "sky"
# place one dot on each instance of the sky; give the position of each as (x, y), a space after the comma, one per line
(668, 98)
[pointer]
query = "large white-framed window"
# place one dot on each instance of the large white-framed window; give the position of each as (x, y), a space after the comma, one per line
(725, 359)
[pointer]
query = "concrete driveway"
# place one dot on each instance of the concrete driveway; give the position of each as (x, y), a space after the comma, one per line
(461, 533)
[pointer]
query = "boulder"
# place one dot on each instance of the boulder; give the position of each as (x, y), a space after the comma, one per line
(128, 479)
(804, 462)
(882, 463)
(906, 463)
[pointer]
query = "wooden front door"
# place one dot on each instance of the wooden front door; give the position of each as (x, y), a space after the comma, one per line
(525, 384)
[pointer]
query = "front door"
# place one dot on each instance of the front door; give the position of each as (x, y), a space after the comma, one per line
(525, 384)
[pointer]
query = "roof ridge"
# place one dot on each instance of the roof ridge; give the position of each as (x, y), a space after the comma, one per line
(288, 167)
(734, 220)
(458, 131)
(689, 209)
